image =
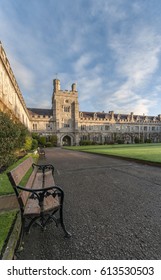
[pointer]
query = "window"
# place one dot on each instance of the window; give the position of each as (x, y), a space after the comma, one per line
(83, 127)
(107, 127)
(66, 125)
(34, 126)
(48, 127)
(84, 137)
(95, 138)
(67, 109)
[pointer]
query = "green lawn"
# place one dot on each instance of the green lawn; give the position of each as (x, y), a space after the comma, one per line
(6, 221)
(7, 218)
(147, 152)
(5, 185)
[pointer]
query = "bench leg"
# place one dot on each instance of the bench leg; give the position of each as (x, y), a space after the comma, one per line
(67, 234)
(58, 221)
(35, 221)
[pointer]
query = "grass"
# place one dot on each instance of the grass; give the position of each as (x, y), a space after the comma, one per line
(6, 221)
(7, 218)
(147, 152)
(5, 185)
(26, 177)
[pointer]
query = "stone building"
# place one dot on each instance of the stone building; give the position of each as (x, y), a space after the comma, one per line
(11, 99)
(70, 125)
(66, 121)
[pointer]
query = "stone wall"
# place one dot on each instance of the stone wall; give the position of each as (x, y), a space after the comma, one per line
(11, 99)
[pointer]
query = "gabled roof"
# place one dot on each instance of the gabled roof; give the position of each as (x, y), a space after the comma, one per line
(42, 112)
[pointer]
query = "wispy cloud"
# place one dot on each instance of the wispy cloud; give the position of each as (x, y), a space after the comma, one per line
(23, 74)
(137, 58)
(112, 49)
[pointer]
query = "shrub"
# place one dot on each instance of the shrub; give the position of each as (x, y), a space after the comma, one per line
(53, 140)
(85, 142)
(120, 141)
(148, 141)
(110, 142)
(137, 140)
(48, 144)
(34, 144)
(12, 137)
(35, 136)
(28, 143)
(42, 140)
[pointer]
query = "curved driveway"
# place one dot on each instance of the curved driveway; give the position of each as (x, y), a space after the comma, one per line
(112, 208)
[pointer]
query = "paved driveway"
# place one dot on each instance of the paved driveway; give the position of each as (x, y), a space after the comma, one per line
(112, 208)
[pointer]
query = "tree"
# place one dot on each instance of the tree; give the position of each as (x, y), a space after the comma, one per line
(53, 140)
(12, 137)
(34, 144)
(42, 140)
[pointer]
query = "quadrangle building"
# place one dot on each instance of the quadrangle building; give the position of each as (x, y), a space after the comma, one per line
(66, 121)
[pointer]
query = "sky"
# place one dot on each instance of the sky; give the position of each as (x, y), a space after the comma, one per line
(110, 48)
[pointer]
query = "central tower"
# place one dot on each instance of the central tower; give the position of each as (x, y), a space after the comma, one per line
(65, 113)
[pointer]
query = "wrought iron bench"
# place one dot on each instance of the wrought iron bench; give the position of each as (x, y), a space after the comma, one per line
(40, 201)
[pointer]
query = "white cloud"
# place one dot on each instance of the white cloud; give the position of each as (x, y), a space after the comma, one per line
(106, 46)
(83, 61)
(90, 87)
(22, 74)
(111, 11)
(137, 61)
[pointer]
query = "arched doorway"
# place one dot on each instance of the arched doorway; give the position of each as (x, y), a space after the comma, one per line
(66, 141)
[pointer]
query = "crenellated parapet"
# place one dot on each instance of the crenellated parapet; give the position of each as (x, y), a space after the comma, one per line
(111, 117)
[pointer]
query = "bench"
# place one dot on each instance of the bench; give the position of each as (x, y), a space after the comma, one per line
(40, 200)
(41, 151)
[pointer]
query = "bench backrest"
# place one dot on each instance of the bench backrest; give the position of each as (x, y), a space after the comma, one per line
(15, 176)
(19, 172)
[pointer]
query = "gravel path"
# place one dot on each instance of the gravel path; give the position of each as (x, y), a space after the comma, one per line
(112, 209)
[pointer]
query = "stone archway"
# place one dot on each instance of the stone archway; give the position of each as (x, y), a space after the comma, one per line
(66, 141)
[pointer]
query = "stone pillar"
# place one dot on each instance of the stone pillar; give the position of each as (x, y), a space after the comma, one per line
(74, 87)
(56, 84)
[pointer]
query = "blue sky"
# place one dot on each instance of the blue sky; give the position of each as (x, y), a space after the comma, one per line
(110, 48)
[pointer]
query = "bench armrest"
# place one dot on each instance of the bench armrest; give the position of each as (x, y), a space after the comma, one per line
(44, 167)
(41, 189)
(40, 194)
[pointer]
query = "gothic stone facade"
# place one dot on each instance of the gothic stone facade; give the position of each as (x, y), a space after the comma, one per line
(11, 99)
(66, 121)
(70, 125)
